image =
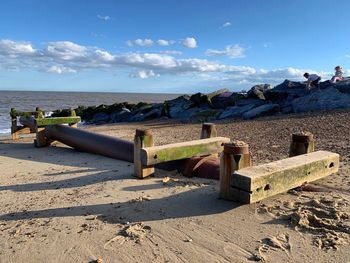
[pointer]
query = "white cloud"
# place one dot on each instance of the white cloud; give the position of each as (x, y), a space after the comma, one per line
(171, 52)
(232, 51)
(141, 42)
(10, 47)
(105, 18)
(347, 56)
(104, 55)
(143, 74)
(66, 50)
(189, 42)
(163, 42)
(226, 24)
(60, 69)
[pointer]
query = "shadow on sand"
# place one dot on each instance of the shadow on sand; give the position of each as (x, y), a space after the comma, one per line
(196, 202)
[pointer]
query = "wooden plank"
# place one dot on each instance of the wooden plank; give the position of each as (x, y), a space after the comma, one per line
(56, 120)
(182, 150)
(255, 183)
(142, 138)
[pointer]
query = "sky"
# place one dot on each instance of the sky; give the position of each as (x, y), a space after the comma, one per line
(163, 46)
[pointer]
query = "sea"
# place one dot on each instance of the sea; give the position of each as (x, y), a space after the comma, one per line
(53, 100)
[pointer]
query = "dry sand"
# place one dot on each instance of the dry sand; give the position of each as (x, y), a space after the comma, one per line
(60, 205)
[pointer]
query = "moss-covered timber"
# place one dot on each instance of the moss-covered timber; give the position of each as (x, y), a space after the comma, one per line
(255, 183)
(15, 113)
(182, 150)
(56, 120)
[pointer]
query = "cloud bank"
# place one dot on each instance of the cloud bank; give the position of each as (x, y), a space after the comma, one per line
(65, 57)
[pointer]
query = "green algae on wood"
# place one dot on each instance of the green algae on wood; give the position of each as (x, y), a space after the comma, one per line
(182, 150)
(56, 120)
(255, 183)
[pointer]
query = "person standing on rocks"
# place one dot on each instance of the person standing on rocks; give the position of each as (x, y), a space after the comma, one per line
(312, 80)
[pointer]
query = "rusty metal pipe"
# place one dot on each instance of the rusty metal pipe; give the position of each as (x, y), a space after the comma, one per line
(28, 122)
(92, 142)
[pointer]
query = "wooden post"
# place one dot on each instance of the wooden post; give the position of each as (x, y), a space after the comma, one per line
(208, 131)
(39, 113)
(142, 139)
(13, 124)
(234, 157)
(73, 114)
(302, 143)
(40, 140)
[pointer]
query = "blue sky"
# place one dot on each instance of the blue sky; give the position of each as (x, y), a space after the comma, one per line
(168, 46)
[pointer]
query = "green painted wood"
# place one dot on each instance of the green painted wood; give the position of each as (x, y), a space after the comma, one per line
(183, 150)
(255, 183)
(56, 120)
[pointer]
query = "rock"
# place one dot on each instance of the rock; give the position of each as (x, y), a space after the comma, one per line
(178, 105)
(257, 92)
(226, 99)
(143, 109)
(235, 111)
(254, 102)
(342, 86)
(286, 90)
(201, 100)
(140, 116)
(263, 110)
(222, 100)
(121, 116)
(186, 115)
(100, 118)
(327, 99)
(205, 115)
(61, 113)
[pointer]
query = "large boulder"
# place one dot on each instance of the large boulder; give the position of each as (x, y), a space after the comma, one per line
(123, 115)
(205, 115)
(226, 99)
(177, 106)
(153, 114)
(201, 100)
(263, 110)
(342, 86)
(257, 92)
(254, 102)
(323, 99)
(288, 90)
(235, 111)
(100, 118)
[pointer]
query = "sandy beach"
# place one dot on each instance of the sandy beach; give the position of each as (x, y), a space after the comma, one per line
(60, 205)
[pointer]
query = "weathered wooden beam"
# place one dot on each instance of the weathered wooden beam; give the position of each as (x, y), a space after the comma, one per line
(143, 138)
(41, 140)
(208, 130)
(15, 113)
(301, 143)
(234, 157)
(182, 150)
(56, 120)
(73, 114)
(255, 183)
